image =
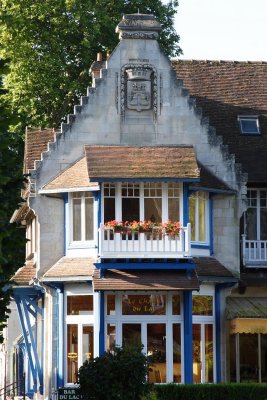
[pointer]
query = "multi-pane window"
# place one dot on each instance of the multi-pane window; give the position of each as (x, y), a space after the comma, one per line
(154, 201)
(82, 216)
(198, 203)
(256, 215)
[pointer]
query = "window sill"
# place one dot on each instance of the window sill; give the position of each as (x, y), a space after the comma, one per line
(82, 245)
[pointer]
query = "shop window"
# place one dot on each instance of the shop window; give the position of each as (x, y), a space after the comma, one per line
(154, 320)
(202, 305)
(80, 305)
(248, 357)
(198, 216)
(203, 353)
(82, 216)
(143, 304)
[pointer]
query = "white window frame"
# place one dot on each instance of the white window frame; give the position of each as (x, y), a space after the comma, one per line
(203, 320)
(250, 118)
(168, 319)
(80, 321)
(72, 244)
(207, 210)
(118, 201)
(258, 209)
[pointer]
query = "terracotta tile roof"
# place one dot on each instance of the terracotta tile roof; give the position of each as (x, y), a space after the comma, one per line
(36, 141)
(73, 268)
(209, 266)
(25, 273)
(141, 162)
(75, 176)
(144, 280)
(225, 90)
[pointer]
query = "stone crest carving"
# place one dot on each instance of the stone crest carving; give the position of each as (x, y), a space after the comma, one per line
(138, 88)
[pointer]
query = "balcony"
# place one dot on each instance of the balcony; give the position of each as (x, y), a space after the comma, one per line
(145, 244)
(254, 253)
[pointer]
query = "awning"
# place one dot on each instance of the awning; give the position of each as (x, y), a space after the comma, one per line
(145, 280)
(247, 314)
(141, 163)
(247, 325)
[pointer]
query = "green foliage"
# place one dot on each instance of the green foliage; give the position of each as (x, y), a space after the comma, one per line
(12, 240)
(50, 46)
(120, 374)
(231, 391)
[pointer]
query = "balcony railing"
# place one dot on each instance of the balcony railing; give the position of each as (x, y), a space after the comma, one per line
(254, 252)
(145, 245)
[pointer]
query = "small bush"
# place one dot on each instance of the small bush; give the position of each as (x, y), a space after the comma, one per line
(233, 391)
(117, 375)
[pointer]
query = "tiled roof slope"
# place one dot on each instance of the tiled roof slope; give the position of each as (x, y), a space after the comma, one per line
(68, 267)
(25, 274)
(36, 142)
(73, 177)
(224, 90)
(209, 266)
(141, 162)
(144, 280)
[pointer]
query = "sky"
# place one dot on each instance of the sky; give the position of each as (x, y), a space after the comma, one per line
(223, 29)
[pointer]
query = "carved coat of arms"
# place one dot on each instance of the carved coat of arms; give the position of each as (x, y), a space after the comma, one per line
(139, 89)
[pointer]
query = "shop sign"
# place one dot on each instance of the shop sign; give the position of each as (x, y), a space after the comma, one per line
(69, 394)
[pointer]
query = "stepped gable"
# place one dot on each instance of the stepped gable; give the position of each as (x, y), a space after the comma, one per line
(223, 90)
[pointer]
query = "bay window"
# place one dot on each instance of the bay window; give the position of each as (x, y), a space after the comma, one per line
(154, 201)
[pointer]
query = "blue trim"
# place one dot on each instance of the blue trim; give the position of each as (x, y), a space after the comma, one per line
(145, 266)
(185, 204)
(101, 323)
(211, 223)
(60, 338)
(66, 202)
(98, 216)
(188, 338)
(27, 303)
(218, 332)
(125, 179)
(200, 246)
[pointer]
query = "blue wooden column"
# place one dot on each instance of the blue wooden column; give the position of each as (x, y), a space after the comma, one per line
(60, 339)
(101, 323)
(188, 338)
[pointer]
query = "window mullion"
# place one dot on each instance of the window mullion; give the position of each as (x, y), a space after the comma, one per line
(83, 216)
(141, 201)
(165, 210)
(118, 202)
(258, 216)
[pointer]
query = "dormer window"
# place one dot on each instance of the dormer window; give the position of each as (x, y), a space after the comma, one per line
(249, 124)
